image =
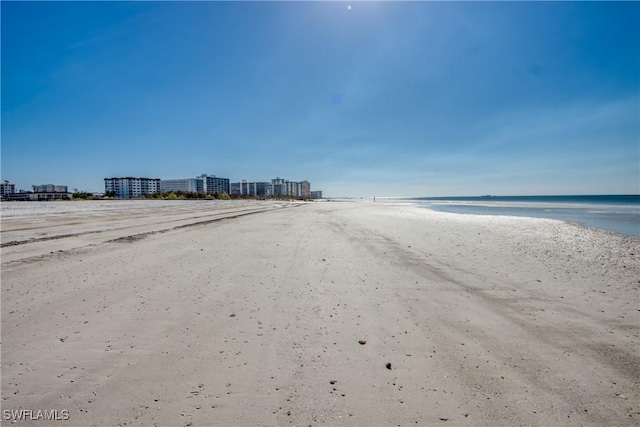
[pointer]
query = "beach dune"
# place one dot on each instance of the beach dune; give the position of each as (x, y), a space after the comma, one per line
(277, 313)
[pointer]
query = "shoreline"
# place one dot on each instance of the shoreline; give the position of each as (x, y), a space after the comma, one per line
(253, 314)
(619, 219)
(615, 228)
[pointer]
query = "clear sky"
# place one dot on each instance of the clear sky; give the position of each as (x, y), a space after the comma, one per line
(360, 98)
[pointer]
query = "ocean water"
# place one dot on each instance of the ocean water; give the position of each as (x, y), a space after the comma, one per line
(617, 213)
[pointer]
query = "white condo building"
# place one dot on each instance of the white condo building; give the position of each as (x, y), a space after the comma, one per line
(128, 187)
(215, 185)
(6, 188)
(283, 187)
(278, 187)
(187, 185)
(51, 188)
(254, 189)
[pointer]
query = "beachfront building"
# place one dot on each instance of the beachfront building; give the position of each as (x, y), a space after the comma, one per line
(50, 188)
(316, 194)
(46, 192)
(305, 187)
(187, 185)
(215, 185)
(48, 196)
(128, 187)
(6, 188)
(293, 189)
(262, 189)
(284, 187)
(29, 196)
(278, 187)
(253, 189)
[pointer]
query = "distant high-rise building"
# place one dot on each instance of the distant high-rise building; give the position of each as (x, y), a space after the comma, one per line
(305, 187)
(6, 188)
(235, 189)
(262, 189)
(187, 185)
(316, 194)
(253, 189)
(50, 188)
(278, 187)
(293, 189)
(215, 185)
(128, 187)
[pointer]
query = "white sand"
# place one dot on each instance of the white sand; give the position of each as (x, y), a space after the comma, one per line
(166, 313)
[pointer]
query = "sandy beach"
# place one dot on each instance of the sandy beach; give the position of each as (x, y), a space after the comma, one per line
(326, 313)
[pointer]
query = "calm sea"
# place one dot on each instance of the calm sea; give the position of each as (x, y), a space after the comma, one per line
(618, 213)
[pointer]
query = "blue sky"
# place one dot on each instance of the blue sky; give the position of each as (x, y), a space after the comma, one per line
(379, 98)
